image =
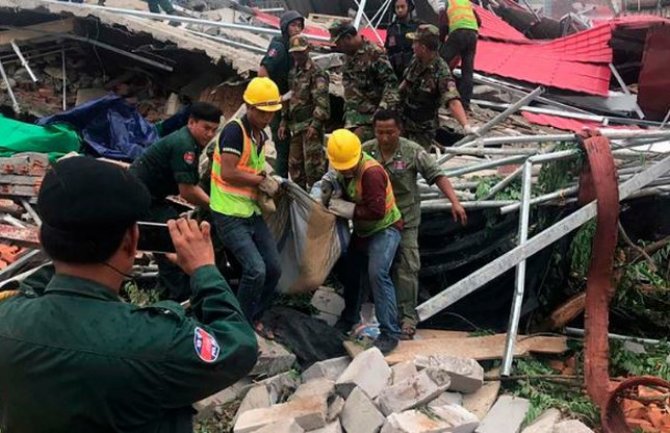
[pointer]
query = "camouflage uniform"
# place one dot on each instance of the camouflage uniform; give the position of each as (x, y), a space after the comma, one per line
(309, 106)
(409, 160)
(424, 89)
(369, 83)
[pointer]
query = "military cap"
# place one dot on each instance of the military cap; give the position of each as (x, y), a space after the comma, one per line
(83, 196)
(297, 43)
(425, 32)
(340, 28)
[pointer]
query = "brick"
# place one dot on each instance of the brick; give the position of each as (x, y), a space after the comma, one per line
(335, 407)
(273, 358)
(207, 406)
(360, 415)
(505, 416)
(328, 301)
(258, 397)
(403, 371)
(310, 414)
(330, 369)
(442, 419)
(284, 426)
(544, 423)
(333, 427)
(409, 393)
(466, 374)
(571, 426)
(447, 398)
(368, 371)
(320, 388)
(481, 401)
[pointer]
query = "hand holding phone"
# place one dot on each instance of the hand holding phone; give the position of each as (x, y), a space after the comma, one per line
(154, 238)
(193, 244)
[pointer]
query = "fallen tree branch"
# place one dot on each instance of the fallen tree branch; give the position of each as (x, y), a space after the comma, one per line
(641, 251)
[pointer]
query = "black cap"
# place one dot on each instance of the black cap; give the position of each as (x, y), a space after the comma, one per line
(81, 195)
(341, 28)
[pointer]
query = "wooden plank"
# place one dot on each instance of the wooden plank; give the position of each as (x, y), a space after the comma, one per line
(480, 348)
(37, 31)
(569, 310)
(426, 334)
(20, 236)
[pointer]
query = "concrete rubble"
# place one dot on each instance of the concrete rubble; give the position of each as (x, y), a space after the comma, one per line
(329, 369)
(466, 375)
(273, 358)
(410, 393)
(505, 416)
(367, 371)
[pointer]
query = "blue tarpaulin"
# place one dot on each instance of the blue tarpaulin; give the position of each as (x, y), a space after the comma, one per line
(110, 126)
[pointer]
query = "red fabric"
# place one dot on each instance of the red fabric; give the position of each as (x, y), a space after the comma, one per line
(373, 198)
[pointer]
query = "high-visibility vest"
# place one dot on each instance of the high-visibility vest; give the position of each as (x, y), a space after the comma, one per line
(461, 15)
(354, 189)
(236, 200)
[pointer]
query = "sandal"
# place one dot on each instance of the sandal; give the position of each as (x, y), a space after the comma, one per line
(407, 332)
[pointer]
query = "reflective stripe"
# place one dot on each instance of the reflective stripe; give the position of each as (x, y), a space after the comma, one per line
(461, 15)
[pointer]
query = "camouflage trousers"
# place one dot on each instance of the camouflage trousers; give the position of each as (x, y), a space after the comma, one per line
(365, 132)
(425, 138)
(406, 276)
(306, 159)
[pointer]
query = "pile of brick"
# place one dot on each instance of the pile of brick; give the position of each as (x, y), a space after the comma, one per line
(648, 410)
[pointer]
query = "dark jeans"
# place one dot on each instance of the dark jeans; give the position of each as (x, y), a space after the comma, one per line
(281, 146)
(462, 43)
(253, 246)
(375, 261)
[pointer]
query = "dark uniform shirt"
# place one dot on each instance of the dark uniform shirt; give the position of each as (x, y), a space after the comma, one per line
(76, 359)
(232, 138)
(167, 163)
(398, 47)
(277, 61)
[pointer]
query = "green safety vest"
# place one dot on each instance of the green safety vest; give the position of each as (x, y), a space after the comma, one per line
(354, 189)
(236, 200)
(461, 15)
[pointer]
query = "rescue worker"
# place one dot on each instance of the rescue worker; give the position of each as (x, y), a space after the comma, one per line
(237, 177)
(75, 358)
(398, 47)
(304, 116)
(367, 76)
(427, 86)
(170, 167)
(369, 202)
(459, 20)
(276, 65)
(403, 161)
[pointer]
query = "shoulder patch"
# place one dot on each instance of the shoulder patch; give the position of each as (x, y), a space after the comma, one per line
(189, 158)
(206, 346)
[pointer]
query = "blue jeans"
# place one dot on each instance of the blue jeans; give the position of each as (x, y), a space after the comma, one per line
(249, 240)
(375, 260)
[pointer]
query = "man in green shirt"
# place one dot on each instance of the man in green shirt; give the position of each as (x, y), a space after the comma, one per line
(75, 358)
(170, 167)
(404, 160)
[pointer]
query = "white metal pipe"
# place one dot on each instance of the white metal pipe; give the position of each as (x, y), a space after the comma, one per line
(64, 81)
(232, 43)
(359, 13)
(541, 199)
(23, 61)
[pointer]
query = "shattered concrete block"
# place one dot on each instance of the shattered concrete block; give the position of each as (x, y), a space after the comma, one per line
(273, 358)
(333, 427)
(403, 371)
(409, 393)
(634, 347)
(317, 388)
(310, 414)
(505, 416)
(544, 423)
(368, 371)
(207, 406)
(466, 374)
(329, 369)
(335, 407)
(280, 386)
(284, 426)
(447, 398)
(571, 426)
(481, 401)
(328, 301)
(360, 415)
(257, 397)
(442, 419)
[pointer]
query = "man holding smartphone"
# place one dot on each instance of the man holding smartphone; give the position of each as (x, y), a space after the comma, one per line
(74, 357)
(170, 167)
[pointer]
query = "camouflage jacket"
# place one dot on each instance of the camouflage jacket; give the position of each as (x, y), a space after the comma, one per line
(424, 89)
(369, 83)
(310, 103)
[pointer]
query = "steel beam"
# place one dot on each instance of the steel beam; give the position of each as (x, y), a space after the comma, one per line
(23, 61)
(10, 92)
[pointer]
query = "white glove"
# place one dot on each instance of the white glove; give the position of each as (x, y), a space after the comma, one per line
(471, 130)
(269, 185)
(342, 208)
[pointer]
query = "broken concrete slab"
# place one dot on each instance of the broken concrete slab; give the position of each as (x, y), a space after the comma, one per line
(273, 358)
(258, 397)
(368, 371)
(505, 416)
(481, 401)
(335, 407)
(283, 426)
(280, 386)
(310, 414)
(328, 301)
(207, 406)
(360, 415)
(466, 374)
(329, 369)
(409, 393)
(571, 426)
(317, 388)
(333, 427)
(443, 419)
(447, 398)
(403, 371)
(544, 423)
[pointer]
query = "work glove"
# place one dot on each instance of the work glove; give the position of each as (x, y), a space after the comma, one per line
(342, 208)
(269, 185)
(471, 130)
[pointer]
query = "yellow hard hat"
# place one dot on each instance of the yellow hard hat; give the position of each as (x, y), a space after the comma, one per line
(263, 93)
(344, 149)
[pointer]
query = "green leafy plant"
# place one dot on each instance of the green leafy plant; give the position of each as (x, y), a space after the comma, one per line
(654, 362)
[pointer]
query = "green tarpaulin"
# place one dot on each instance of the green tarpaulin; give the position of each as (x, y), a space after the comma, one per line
(54, 140)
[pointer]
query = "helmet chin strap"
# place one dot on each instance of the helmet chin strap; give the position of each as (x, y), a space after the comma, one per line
(127, 276)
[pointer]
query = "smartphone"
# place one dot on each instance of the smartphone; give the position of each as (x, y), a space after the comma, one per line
(155, 238)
